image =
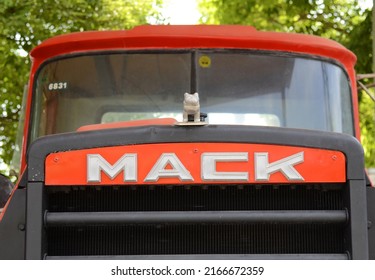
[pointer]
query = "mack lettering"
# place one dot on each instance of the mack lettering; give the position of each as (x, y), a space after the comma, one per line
(169, 165)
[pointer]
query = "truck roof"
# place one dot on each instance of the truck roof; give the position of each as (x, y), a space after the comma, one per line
(192, 36)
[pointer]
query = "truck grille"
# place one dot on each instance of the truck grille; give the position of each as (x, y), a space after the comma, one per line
(188, 220)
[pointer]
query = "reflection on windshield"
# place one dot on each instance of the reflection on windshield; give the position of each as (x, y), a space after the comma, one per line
(212, 118)
(243, 88)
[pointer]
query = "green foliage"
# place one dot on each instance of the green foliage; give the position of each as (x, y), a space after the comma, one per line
(360, 43)
(368, 128)
(334, 18)
(25, 23)
(341, 20)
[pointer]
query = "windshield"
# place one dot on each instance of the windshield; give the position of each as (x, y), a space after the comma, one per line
(235, 87)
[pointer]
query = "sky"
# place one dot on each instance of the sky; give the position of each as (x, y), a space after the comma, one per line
(366, 3)
(181, 11)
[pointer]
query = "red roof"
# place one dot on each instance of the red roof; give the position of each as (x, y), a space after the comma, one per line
(192, 36)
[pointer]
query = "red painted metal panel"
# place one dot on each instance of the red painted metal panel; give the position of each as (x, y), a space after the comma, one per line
(318, 166)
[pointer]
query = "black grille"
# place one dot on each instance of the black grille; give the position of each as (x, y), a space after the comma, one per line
(195, 198)
(194, 239)
(161, 239)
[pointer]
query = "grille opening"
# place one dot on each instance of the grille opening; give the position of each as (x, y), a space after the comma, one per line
(195, 239)
(166, 239)
(195, 198)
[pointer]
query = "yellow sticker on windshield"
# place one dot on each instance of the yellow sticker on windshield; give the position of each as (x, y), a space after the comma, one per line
(204, 61)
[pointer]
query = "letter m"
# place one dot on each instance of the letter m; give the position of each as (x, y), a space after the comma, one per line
(96, 164)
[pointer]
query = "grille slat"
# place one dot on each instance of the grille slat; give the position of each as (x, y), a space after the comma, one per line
(184, 217)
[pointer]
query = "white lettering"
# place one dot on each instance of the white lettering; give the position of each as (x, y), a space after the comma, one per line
(263, 169)
(177, 169)
(169, 166)
(96, 163)
(209, 171)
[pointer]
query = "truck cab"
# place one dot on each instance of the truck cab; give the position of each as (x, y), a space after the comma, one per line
(110, 167)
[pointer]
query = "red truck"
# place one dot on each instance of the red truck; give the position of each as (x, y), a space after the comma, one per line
(190, 142)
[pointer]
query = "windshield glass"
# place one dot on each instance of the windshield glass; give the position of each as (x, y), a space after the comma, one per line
(242, 88)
